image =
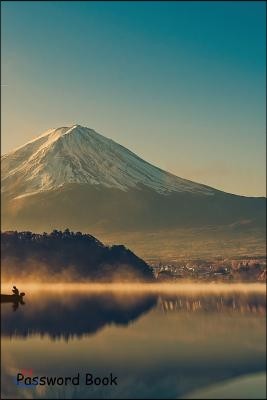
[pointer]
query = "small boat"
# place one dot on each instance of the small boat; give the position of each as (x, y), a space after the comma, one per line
(12, 298)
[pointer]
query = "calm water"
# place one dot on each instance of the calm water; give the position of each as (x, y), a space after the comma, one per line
(165, 344)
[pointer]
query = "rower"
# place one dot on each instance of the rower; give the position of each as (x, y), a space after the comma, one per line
(15, 290)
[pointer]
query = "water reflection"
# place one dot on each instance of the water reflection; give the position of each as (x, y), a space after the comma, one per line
(163, 345)
(73, 314)
(231, 303)
(69, 315)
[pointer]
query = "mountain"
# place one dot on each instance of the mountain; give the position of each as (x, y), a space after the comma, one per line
(74, 177)
(81, 156)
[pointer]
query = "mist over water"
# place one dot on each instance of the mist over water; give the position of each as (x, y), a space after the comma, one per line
(31, 272)
(187, 287)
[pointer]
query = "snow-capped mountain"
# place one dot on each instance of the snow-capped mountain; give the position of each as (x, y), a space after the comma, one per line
(74, 177)
(76, 154)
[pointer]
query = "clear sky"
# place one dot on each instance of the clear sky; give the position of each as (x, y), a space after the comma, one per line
(182, 84)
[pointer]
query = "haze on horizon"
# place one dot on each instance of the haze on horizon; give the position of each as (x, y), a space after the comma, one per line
(182, 85)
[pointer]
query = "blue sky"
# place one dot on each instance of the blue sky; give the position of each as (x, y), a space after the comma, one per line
(182, 84)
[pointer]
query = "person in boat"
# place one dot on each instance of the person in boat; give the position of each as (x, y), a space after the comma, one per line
(15, 291)
(16, 298)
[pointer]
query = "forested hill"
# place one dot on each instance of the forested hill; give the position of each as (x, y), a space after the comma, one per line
(68, 256)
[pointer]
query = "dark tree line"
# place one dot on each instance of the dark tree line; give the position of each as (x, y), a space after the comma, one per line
(58, 251)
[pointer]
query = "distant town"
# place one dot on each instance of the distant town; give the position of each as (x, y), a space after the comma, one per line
(246, 269)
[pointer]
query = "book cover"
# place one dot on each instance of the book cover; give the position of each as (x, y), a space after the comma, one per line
(133, 200)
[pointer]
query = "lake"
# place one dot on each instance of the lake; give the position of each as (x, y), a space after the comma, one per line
(159, 341)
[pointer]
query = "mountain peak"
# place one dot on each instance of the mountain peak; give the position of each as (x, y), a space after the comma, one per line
(76, 127)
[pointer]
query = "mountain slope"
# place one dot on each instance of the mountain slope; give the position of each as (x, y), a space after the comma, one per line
(74, 177)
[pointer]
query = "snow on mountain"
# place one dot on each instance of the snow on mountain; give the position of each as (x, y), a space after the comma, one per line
(78, 154)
